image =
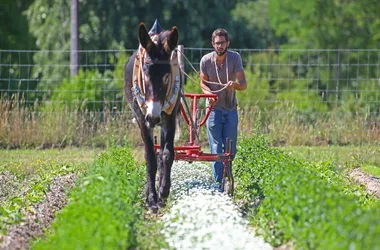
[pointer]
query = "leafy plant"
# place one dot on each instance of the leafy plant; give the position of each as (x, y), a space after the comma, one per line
(312, 205)
(105, 210)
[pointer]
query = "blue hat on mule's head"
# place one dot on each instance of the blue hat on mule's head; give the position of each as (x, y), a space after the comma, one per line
(156, 28)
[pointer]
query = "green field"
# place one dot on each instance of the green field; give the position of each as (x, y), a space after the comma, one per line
(28, 175)
(26, 166)
(25, 163)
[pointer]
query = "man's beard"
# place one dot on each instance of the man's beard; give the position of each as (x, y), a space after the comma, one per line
(220, 53)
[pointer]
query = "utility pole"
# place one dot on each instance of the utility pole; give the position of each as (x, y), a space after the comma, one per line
(74, 38)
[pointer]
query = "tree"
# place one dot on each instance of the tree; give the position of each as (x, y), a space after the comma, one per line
(325, 24)
(107, 25)
(331, 25)
(14, 26)
(255, 15)
(14, 35)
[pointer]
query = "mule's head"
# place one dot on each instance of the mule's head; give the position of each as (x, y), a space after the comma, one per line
(156, 70)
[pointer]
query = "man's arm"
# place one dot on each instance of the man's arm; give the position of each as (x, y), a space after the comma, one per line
(206, 89)
(241, 83)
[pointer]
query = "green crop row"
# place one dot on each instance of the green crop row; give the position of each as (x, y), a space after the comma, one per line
(105, 210)
(310, 206)
(21, 193)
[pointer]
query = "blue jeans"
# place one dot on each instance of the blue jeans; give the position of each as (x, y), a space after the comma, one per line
(221, 124)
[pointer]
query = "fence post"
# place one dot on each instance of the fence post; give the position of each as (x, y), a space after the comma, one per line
(181, 63)
(74, 38)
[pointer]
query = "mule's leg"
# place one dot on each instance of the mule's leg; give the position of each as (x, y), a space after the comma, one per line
(166, 156)
(151, 166)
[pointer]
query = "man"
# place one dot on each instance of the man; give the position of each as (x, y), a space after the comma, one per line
(219, 69)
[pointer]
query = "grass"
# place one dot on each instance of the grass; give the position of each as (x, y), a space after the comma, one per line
(371, 170)
(49, 125)
(25, 156)
(345, 157)
(27, 162)
(58, 126)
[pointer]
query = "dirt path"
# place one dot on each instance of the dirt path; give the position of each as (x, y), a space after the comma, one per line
(371, 183)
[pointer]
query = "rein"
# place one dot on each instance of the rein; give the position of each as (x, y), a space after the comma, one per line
(198, 73)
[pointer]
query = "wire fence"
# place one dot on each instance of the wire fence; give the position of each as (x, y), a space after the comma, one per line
(279, 75)
(301, 96)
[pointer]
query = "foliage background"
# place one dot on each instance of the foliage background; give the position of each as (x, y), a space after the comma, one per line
(288, 38)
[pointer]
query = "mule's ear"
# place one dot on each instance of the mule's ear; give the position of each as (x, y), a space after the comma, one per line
(144, 38)
(173, 39)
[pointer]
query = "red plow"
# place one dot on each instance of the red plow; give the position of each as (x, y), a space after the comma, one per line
(192, 151)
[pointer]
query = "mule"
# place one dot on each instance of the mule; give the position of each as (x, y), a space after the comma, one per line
(152, 85)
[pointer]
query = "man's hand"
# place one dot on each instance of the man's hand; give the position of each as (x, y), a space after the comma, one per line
(231, 85)
(212, 101)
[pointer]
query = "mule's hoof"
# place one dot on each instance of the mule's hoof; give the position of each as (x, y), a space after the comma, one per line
(161, 204)
(153, 209)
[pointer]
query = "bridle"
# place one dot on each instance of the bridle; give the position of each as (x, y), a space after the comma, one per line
(138, 87)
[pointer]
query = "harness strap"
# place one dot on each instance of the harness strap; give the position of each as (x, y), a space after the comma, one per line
(138, 82)
(174, 85)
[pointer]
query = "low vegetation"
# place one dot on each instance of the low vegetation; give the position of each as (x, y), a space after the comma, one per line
(309, 205)
(294, 195)
(60, 126)
(105, 210)
(25, 177)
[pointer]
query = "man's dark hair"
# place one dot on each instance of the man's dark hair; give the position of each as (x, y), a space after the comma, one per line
(219, 32)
